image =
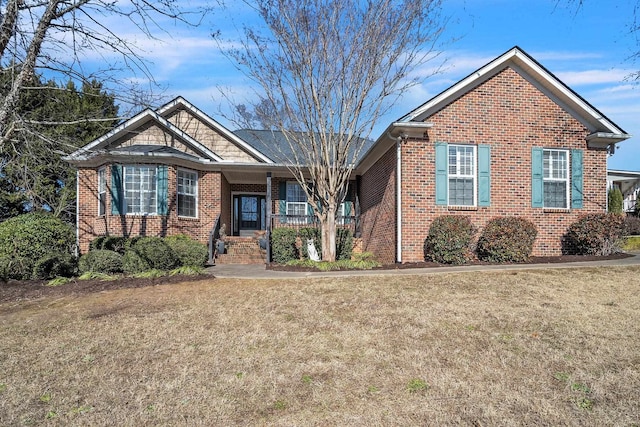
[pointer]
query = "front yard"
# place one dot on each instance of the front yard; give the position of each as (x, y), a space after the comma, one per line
(544, 347)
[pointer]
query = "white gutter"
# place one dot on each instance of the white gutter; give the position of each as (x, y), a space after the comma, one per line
(399, 198)
(77, 251)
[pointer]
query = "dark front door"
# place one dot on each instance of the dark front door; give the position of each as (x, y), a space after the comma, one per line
(248, 214)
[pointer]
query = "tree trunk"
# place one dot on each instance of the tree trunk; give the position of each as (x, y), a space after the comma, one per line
(328, 225)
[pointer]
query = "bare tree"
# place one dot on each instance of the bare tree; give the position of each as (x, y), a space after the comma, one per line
(327, 70)
(54, 36)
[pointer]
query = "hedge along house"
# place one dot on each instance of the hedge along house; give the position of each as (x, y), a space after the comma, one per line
(508, 140)
(175, 170)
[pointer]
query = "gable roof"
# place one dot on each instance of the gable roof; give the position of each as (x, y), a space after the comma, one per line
(159, 116)
(602, 129)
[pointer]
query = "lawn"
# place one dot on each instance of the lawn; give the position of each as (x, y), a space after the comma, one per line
(536, 347)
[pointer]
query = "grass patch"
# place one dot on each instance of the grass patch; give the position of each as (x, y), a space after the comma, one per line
(150, 274)
(187, 270)
(343, 264)
(91, 275)
(529, 347)
(631, 243)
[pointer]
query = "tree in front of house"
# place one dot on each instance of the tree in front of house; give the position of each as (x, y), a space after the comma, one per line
(326, 71)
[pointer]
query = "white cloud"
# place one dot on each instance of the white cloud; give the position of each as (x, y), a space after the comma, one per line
(591, 77)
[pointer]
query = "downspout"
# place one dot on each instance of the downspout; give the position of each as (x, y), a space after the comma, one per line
(77, 250)
(399, 198)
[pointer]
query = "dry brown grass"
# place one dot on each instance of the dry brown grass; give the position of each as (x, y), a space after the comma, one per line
(545, 347)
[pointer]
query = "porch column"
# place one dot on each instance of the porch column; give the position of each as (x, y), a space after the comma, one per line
(268, 218)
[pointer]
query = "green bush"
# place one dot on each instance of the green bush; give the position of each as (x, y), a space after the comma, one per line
(155, 252)
(110, 243)
(450, 240)
(507, 239)
(190, 252)
(594, 234)
(100, 261)
(283, 245)
(24, 239)
(132, 263)
(55, 265)
(17, 268)
(344, 244)
(615, 200)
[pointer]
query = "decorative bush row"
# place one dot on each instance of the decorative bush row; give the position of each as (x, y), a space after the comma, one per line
(33, 243)
(284, 246)
(510, 239)
(114, 254)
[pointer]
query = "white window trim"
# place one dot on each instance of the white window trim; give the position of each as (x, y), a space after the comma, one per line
(474, 174)
(125, 207)
(102, 189)
(566, 180)
(288, 203)
(197, 193)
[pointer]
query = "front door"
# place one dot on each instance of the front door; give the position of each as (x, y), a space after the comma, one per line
(249, 212)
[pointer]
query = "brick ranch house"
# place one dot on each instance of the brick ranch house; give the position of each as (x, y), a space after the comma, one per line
(509, 139)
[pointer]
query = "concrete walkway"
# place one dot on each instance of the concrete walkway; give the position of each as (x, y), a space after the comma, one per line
(260, 272)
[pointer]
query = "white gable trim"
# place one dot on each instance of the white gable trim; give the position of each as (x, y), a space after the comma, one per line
(536, 74)
(138, 120)
(214, 124)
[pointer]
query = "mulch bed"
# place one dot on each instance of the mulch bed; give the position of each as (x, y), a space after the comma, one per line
(33, 289)
(426, 264)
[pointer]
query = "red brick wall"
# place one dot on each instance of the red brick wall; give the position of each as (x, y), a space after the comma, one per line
(378, 208)
(211, 186)
(512, 116)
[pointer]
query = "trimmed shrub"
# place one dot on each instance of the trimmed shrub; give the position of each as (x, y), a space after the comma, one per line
(190, 252)
(615, 200)
(24, 239)
(594, 234)
(17, 268)
(109, 243)
(55, 265)
(507, 239)
(100, 261)
(132, 263)
(155, 252)
(450, 240)
(283, 245)
(631, 226)
(344, 244)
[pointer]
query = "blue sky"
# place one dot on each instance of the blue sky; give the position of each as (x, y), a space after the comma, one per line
(588, 48)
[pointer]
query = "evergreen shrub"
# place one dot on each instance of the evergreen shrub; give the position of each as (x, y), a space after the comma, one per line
(507, 239)
(450, 240)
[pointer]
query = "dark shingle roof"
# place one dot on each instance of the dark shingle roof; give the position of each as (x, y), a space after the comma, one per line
(274, 145)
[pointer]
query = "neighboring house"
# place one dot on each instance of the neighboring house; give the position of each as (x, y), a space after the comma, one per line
(510, 139)
(628, 182)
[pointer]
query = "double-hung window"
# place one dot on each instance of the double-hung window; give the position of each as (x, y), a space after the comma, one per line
(296, 204)
(462, 175)
(556, 178)
(102, 191)
(187, 193)
(140, 189)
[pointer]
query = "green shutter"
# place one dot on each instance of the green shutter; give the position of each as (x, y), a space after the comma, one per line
(576, 179)
(442, 184)
(163, 189)
(116, 190)
(484, 175)
(282, 195)
(537, 185)
(348, 202)
(310, 188)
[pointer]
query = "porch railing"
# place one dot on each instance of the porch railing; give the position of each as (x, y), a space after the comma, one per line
(629, 205)
(214, 236)
(350, 222)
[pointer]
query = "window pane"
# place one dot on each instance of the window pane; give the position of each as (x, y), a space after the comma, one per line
(555, 194)
(140, 189)
(187, 193)
(461, 191)
(295, 193)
